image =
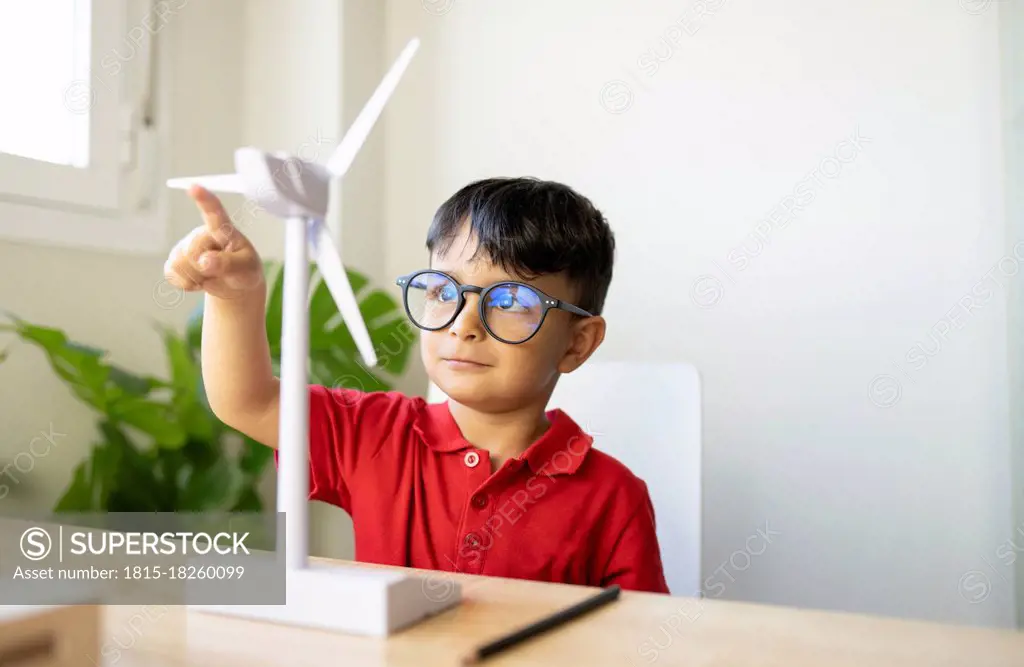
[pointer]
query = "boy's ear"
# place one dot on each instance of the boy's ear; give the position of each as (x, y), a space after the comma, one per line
(584, 339)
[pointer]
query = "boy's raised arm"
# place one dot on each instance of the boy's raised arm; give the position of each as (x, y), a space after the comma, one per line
(239, 379)
(217, 259)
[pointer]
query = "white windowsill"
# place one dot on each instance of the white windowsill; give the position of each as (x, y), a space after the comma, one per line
(132, 235)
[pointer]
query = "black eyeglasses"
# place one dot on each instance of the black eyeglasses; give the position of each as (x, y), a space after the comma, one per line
(511, 312)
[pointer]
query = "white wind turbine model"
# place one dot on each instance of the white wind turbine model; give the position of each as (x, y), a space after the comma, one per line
(349, 599)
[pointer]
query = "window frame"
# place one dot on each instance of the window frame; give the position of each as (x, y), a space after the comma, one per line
(118, 202)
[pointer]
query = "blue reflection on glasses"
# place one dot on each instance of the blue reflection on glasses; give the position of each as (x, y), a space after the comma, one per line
(513, 299)
(436, 287)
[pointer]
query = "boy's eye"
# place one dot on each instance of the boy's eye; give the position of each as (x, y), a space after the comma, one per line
(444, 293)
(506, 302)
(512, 299)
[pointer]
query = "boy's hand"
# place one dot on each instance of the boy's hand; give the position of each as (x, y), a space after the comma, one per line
(214, 257)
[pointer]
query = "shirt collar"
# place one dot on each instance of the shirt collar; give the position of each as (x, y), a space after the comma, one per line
(560, 450)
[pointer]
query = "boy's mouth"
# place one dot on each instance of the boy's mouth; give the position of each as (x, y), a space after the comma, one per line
(458, 363)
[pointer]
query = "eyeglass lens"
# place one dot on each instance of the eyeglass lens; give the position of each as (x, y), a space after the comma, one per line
(512, 312)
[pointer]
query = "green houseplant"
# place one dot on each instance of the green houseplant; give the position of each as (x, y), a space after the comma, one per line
(160, 448)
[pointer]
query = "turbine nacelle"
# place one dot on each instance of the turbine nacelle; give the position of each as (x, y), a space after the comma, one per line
(283, 185)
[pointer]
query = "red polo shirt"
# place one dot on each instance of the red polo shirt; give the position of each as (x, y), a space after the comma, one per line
(420, 495)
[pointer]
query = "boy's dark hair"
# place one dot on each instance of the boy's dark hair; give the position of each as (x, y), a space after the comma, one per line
(531, 227)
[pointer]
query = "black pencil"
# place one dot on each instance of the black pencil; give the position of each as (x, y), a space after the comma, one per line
(559, 618)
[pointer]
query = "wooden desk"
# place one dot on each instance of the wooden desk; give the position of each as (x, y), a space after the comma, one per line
(639, 629)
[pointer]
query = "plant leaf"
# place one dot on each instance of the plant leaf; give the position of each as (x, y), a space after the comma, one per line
(194, 327)
(357, 280)
(323, 309)
(189, 398)
(211, 488)
(392, 335)
(136, 485)
(80, 366)
(105, 467)
(376, 304)
(394, 342)
(198, 421)
(137, 385)
(275, 305)
(95, 479)
(77, 497)
(254, 457)
(185, 372)
(154, 419)
(331, 368)
(248, 500)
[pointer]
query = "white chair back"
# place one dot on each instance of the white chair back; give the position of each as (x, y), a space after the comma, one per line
(648, 416)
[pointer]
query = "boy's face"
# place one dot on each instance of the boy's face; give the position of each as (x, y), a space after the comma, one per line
(474, 369)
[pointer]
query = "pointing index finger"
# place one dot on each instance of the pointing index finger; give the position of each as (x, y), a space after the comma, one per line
(217, 220)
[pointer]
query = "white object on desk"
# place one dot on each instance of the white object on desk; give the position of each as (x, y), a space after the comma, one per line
(288, 187)
(353, 600)
(648, 416)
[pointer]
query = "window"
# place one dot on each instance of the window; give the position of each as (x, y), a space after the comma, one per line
(78, 138)
(36, 127)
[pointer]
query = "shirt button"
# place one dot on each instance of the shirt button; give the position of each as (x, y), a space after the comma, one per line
(471, 459)
(480, 501)
(472, 540)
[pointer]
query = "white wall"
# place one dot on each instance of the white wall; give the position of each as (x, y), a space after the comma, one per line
(884, 475)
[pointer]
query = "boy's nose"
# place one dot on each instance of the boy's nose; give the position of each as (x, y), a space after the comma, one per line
(467, 324)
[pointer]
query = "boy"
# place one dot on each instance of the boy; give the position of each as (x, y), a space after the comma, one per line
(488, 482)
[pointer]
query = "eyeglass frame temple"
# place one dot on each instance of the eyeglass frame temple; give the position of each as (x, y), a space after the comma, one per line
(547, 300)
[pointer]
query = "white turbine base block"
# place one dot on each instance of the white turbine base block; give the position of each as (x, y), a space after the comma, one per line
(351, 600)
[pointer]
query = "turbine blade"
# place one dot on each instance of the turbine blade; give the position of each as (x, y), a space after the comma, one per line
(353, 140)
(213, 183)
(328, 260)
